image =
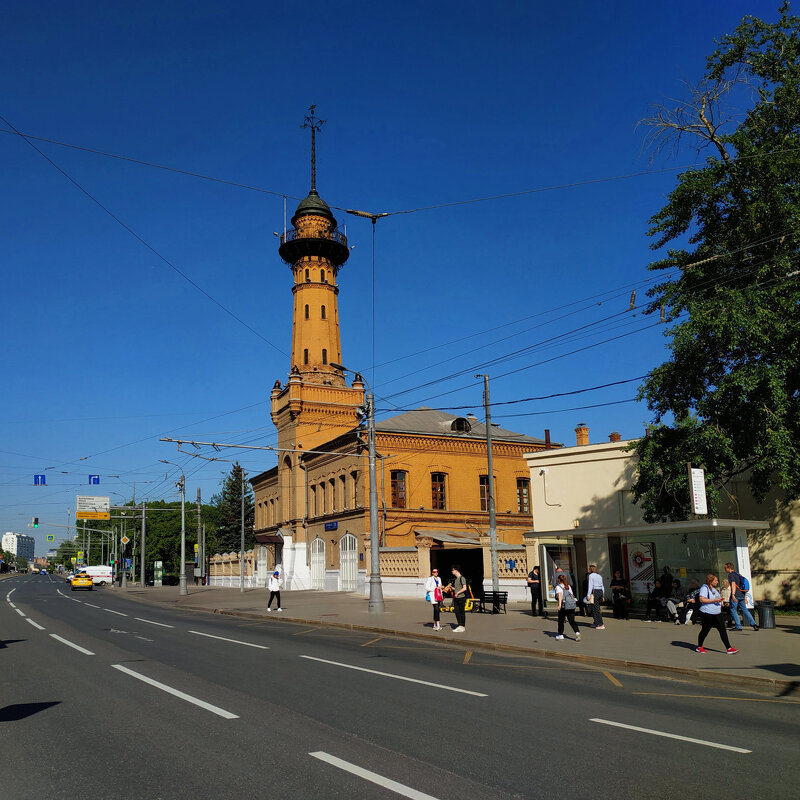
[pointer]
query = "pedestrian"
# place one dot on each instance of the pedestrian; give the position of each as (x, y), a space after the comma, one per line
(676, 600)
(459, 587)
(535, 585)
(566, 608)
(739, 598)
(274, 586)
(594, 596)
(691, 601)
(558, 571)
(620, 596)
(433, 594)
(653, 601)
(711, 614)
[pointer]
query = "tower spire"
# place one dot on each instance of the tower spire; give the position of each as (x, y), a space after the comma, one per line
(315, 124)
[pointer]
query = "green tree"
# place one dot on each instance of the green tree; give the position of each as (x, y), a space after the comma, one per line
(728, 398)
(228, 506)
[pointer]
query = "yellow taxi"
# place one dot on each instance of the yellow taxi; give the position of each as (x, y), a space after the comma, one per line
(82, 581)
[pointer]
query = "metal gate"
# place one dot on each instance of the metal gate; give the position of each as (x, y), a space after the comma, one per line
(318, 564)
(348, 563)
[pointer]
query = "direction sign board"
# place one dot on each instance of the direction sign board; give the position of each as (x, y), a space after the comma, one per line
(40, 480)
(94, 480)
(92, 507)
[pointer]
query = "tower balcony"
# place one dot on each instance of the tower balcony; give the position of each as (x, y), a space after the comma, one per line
(330, 245)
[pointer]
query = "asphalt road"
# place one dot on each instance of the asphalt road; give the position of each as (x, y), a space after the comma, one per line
(129, 700)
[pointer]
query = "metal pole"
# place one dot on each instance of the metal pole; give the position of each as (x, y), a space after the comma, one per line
(376, 604)
(492, 515)
(203, 551)
(182, 579)
(144, 532)
(124, 583)
(198, 564)
(241, 550)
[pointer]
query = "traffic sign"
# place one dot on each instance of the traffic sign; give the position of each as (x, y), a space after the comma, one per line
(124, 540)
(94, 480)
(51, 537)
(40, 480)
(92, 507)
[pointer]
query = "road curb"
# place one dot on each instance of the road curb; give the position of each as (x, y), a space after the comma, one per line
(729, 680)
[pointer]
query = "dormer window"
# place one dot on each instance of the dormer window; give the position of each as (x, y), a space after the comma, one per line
(460, 425)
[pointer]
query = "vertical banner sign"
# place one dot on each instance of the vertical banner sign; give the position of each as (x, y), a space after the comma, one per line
(697, 482)
(640, 565)
(158, 572)
(196, 548)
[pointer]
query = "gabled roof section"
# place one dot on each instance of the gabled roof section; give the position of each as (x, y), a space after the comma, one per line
(432, 422)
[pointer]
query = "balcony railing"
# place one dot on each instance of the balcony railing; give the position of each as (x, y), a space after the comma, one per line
(335, 236)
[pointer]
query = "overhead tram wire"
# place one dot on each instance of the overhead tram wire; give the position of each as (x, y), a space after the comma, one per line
(144, 242)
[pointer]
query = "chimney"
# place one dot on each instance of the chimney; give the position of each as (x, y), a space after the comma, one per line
(614, 437)
(547, 445)
(582, 434)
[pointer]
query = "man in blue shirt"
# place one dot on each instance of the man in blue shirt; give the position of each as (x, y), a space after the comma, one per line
(738, 599)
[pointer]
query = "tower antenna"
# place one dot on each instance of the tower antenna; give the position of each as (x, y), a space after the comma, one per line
(315, 124)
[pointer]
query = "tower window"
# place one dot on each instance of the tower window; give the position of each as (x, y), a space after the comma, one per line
(322, 276)
(308, 275)
(324, 356)
(398, 489)
(438, 497)
(305, 356)
(323, 312)
(307, 311)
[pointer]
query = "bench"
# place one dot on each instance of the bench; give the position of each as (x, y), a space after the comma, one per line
(491, 601)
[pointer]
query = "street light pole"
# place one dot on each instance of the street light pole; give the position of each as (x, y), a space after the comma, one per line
(490, 486)
(181, 484)
(376, 604)
(241, 549)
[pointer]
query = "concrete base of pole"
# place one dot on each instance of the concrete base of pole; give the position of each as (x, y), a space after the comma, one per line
(183, 590)
(376, 604)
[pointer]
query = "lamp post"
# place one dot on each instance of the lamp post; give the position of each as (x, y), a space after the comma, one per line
(181, 484)
(241, 549)
(490, 486)
(376, 605)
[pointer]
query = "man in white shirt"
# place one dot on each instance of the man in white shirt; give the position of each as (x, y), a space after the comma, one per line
(594, 596)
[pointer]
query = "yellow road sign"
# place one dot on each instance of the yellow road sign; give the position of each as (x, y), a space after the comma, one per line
(92, 515)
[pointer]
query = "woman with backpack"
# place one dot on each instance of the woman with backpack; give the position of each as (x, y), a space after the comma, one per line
(711, 613)
(566, 607)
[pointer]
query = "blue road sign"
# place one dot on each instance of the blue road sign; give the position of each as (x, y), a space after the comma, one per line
(40, 480)
(94, 479)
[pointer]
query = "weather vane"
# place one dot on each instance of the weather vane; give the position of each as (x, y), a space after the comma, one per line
(315, 124)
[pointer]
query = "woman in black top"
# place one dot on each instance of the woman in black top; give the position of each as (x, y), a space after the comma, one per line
(620, 596)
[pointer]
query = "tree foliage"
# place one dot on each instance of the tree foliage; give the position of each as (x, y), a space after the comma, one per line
(728, 398)
(228, 507)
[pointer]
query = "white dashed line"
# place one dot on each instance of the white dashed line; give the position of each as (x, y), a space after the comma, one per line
(150, 622)
(35, 624)
(397, 677)
(71, 644)
(672, 736)
(182, 695)
(372, 777)
(92, 605)
(21, 613)
(235, 641)
(13, 606)
(111, 611)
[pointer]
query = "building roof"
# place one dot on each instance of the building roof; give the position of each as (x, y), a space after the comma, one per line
(313, 204)
(432, 422)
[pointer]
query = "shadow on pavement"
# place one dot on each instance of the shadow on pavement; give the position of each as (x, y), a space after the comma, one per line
(20, 711)
(789, 670)
(5, 642)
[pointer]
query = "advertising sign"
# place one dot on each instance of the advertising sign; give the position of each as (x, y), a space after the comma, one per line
(640, 566)
(92, 507)
(158, 572)
(697, 478)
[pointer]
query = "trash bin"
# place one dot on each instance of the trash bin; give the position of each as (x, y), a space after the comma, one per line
(766, 613)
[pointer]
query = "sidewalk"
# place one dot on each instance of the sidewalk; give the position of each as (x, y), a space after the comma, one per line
(768, 660)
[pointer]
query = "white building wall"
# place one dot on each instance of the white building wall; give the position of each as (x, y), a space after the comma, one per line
(19, 544)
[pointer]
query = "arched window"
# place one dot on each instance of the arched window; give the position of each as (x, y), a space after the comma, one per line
(322, 276)
(307, 311)
(305, 356)
(324, 356)
(323, 312)
(460, 425)
(308, 275)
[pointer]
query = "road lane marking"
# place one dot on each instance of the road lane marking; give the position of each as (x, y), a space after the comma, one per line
(111, 611)
(21, 613)
(8, 596)
(397, 677)
(91, 604)
(11, 604)
(672, 736)
(235, 641)
(612, 678)
(309, 630)
(373, 777)
(182, 695)
(35, 624)
(150, 622)
(468, 654)
(721, 697)
(372, 641)
(73, 645)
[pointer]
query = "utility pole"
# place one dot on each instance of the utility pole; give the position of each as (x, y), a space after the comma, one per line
(124, 584)
(144, 528)
(490, 487)
(241, 552)
(182, 578)
(199, 562)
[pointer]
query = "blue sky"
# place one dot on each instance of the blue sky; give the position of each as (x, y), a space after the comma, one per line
(107, 347)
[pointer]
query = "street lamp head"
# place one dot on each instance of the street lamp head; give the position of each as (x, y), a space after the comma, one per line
(339, 366)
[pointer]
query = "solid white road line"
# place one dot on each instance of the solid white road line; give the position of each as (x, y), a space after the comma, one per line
(35, 624)
(111, 611)
(21, 613)
(672, 736)
(235, 641)
(74, 646)
(397, 677)
(373, 777)
(183, 696)
(161, 624)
